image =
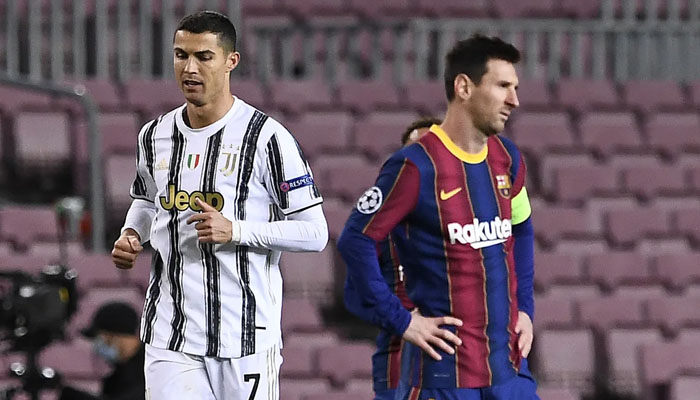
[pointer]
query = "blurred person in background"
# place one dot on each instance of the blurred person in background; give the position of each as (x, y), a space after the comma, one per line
(386, 361)
(221, 190)
(115, 334)
(458, 201)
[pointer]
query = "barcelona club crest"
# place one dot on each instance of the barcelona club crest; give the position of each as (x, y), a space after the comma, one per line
(193, 160)
(503, 185)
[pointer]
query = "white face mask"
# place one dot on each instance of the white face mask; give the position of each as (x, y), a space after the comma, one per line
(107, 352)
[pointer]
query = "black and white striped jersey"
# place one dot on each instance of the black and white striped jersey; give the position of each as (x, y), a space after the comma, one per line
(220, 300)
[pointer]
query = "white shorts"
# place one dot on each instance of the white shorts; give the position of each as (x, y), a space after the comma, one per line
(174, 375)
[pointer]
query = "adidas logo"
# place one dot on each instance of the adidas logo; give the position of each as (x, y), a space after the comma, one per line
(162, 165)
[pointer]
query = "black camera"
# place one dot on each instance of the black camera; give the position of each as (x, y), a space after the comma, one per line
(34, 310)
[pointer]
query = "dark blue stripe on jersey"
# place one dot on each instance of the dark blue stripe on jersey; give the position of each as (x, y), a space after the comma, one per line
(212, 270)
(485, 206)
(177, 337)
(514, 156)
(276, 166)
(153, 297)
(245, 171)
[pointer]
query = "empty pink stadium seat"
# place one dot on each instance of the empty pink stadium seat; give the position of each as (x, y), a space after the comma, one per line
(337, 212)
(259, 7)
(119, 133)
(677, 269)
(249, 90)
(660, 362)
(305, 8)
(648, 181)
(631, 225)
(608, 312)
(648, 96)
(298, 389)
(622, 347)
(97, 270)
(427, 97)
(365, 96)
(336, 396)
(673, 133)
(153, 97)
(534, 93)
(548, 393)
(103, 92)
(300, 315)
(319, 132)
(308, 274)
(120, 171)
(688, 223)
(379, 134)
(673, 312)
(557, 365)
(298, 362)
(42, 139)
(606, 132)
(75, 359)
(552, 267)
(584, 95)
(618, 267)
(333, 178)
(684, 387)
(578, 182)
(553, 312)
(580, 9)
(295, 96)
(506, 9)
(694, 88)
(344, 361)
(453, 8)
(13, 99)
(22, 225)
(561, 222)
(542, 132)
(28, 263)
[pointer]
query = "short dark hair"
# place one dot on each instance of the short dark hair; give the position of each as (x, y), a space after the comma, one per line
(469, 56)
(214, 22)
(424, 122)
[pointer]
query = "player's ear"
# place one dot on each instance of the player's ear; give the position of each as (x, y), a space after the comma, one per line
(463, 86)
(232, 60)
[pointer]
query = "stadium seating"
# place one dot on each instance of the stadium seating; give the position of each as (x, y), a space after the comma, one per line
(543, 132)
(648, 96)
(554, 350)
(583, 95)
(344, 361)
(673, 133)
(606, 133)
(322, 132)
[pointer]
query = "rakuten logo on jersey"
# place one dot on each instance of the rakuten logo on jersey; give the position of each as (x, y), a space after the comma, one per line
(480, 234)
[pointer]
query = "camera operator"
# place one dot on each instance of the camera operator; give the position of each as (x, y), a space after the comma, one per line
(114, 331)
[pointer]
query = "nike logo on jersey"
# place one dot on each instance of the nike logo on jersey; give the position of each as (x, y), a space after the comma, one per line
(480, 234)
(182, 200)
(446, 195)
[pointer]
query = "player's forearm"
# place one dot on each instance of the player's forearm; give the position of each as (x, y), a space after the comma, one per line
(524, 254)
(139, 219)
(305, 231)
(369, 296)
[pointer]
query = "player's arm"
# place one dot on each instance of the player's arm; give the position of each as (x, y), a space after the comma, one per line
(524, 254)
(378, 211)
(139, 217)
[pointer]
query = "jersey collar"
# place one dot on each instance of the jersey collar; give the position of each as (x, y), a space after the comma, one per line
(470, 158)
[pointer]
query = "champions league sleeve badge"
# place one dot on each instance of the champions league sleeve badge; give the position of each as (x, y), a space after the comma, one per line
(370, 201)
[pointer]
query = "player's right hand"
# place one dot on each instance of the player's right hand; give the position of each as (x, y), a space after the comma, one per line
(125, 250)
(426, 333)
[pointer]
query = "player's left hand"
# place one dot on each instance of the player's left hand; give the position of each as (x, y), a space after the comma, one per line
(524, 328)
(211, 225)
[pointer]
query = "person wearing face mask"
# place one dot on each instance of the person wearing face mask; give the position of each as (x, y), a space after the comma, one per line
(115, 334)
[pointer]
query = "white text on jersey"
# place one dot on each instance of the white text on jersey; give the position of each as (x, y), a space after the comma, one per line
(480, 234)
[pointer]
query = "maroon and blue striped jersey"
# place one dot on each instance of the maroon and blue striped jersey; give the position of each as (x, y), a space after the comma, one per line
(455, 212)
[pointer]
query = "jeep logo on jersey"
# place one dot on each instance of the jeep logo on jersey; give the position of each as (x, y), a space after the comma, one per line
(480, 234)
(183, 200)
(297, 183)
(370, 201)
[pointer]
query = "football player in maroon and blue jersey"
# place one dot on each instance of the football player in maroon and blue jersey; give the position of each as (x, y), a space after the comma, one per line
(456, 205)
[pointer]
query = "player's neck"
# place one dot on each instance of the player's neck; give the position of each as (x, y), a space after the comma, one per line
(461, 130)
(207, 114)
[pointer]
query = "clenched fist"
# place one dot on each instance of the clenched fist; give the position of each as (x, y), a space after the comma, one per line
(126, 248)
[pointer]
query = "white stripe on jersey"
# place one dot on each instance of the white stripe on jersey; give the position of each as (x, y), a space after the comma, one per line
(217, 300)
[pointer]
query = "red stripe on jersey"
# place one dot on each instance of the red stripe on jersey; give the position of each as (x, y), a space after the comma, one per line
(400, 200)
(500, 163)
(464, 266)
